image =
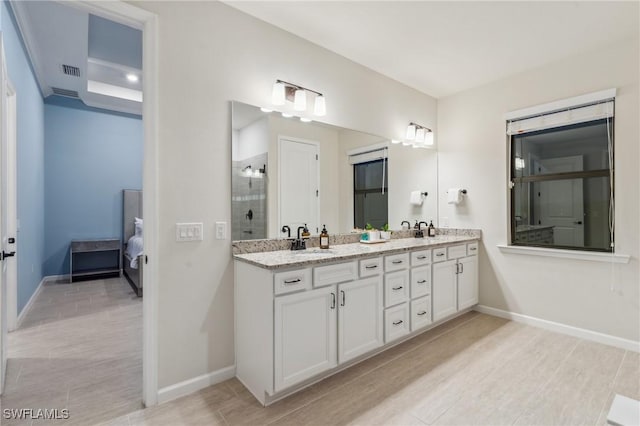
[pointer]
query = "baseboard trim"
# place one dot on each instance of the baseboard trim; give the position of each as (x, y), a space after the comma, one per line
(570, 330)
(187, 387)
(27, 307)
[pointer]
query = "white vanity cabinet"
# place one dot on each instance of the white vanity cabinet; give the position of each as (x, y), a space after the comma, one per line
(294, 325)
(455, 280)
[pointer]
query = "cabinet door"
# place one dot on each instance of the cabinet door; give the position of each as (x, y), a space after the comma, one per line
(468, 282)
(444, 291)
(305, 335)
(359, 317)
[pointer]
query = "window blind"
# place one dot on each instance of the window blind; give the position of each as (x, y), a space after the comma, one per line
(565, 117)
(365, 157)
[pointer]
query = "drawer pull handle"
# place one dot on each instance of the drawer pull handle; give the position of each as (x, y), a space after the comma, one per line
(396, 262)
(333, 300)
(397, 288)
(422, 281)
(371, 266)
(472, 248)
(422, 257)
(398, 322)
(439, 254)
(297, 280)
(343, 298)
(422, 313)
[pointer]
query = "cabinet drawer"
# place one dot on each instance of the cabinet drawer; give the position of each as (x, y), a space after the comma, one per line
(472, 249)
(370, 267)
(420, 313)
(396, 322)
(455, 252)
(290, 281)
(440, 254)
(419, 258)
(333, 274)
(396, 262)
(396, 288)
(420, 281)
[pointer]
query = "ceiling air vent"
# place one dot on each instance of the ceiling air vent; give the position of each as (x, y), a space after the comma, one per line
(71, 70)
(65, 92)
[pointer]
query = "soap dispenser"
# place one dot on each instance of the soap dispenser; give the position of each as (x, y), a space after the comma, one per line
(432, 229)
(324, 238)
(305, 232)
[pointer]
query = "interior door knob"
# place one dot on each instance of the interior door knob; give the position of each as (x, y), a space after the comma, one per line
(577, 222)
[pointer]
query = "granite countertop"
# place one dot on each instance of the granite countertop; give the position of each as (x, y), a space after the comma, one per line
(342, 252)
(525, 228)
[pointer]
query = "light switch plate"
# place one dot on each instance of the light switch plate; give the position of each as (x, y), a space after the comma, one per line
(445, 222)
(221, 230)
(189, 232)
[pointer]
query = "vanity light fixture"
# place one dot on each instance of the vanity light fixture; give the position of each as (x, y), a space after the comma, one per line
(419, 136)
(284, 91)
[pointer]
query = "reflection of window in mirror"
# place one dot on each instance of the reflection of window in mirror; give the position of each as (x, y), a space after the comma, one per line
(370, 194)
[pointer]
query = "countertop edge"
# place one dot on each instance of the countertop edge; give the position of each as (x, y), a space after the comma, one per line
(322, 261)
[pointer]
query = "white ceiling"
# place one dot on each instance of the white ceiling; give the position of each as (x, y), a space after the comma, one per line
(441, 48)
(104, 51)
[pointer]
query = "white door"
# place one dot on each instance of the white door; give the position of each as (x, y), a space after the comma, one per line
(3, 224)
(10, 209)
(467, 282)
(305, 335)
(444, 294)
(560, 202)
(298, 188)
(359, 317)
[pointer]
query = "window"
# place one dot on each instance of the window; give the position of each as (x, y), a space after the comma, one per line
(562, 178)
(370, 194)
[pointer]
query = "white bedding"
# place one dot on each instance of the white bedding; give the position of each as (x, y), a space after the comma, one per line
(134, 249)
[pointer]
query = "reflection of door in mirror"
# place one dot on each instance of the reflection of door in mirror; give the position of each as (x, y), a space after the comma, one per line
(298, 184)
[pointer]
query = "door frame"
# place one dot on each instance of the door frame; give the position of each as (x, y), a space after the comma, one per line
(147, 22)
(318, 198)
(9, 166)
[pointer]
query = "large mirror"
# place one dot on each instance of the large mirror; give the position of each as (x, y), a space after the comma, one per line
(286, 172)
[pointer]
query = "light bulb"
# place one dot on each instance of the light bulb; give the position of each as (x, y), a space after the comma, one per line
(305, 120)
(266, 110)
(411, 132)
(395, 141)
(133, 78)
(277, 95)
(300, 100)
(420, 135)
(405, 143)
(428, 138)
(285, 115)
(320, 108)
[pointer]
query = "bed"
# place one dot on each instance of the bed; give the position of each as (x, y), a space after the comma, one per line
(132, 224)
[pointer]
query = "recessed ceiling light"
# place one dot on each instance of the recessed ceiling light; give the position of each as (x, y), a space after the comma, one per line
(132, 78)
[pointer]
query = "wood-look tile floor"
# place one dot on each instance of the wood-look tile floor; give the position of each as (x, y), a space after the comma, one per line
(78, 348)
(476, 369)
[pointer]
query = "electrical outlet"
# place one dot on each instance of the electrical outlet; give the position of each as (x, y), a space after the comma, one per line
(444, 222)
(221, 230)
(189, 232)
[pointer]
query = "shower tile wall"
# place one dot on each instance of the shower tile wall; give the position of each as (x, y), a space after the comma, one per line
(249, 194)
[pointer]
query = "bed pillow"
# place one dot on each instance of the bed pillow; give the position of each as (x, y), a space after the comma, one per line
(138, 226)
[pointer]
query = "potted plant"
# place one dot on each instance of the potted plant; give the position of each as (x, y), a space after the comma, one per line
(374, 234)
(385, 234)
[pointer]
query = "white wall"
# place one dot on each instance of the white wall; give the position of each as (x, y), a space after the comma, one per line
(473, 154)
(232, 56)
(251, 140)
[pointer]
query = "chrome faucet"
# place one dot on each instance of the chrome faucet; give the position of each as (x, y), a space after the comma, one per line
(419, 232)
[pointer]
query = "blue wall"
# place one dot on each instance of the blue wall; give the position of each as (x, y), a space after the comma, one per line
(90, 158)
(30, 167)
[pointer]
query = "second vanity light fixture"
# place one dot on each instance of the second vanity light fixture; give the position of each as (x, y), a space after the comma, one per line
(284, 91)
(419, 136)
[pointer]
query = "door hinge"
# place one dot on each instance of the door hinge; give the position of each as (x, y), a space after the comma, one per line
(317, 193)
(316, 156)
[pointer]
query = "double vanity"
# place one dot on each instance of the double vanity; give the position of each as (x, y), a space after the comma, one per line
(304, 315)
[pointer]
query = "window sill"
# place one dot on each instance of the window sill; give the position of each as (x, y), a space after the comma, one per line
(566, 254)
